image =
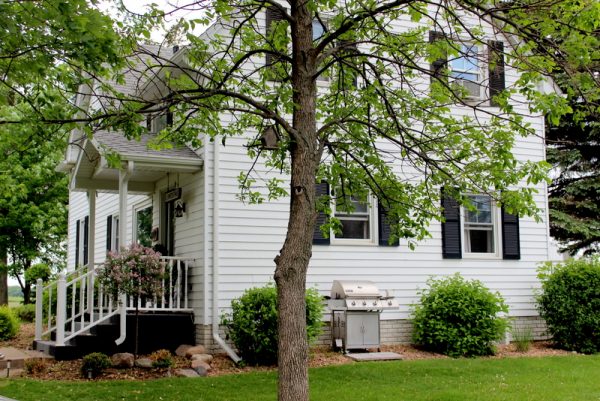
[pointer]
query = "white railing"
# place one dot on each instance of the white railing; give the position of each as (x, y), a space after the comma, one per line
(76, 301)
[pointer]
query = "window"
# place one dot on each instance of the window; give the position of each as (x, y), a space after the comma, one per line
(479, 226)
(112, 233)
(143, 226)
(465, 71)
(81, 241)
(366, 224)
(356, 224)
(318, 30)
(158, 122)
(482, 230)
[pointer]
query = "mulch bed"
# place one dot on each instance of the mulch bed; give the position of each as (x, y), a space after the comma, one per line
(221, 364)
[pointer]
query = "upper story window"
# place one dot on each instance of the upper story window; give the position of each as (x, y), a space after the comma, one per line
(466, 72)
(158, 122)
(479, 226)
(318, 30)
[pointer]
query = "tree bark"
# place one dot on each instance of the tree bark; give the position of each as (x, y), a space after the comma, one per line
(292, 262)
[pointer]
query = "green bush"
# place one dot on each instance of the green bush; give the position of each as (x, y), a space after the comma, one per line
(25, 313)
(9, 324)
(459, 317)
(162, 358)
(252, 324)
(39, 270)
(94, 364)
(570, 303)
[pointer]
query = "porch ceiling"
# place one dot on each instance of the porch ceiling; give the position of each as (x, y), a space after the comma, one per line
(146, 165)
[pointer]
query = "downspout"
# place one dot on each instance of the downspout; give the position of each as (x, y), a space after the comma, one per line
(215, 259)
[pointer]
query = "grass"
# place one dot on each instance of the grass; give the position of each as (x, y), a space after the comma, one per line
(565, 378)
(15, 301)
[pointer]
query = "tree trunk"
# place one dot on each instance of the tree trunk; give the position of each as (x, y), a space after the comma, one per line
(3, 277)
(292, 262)
(26, 293)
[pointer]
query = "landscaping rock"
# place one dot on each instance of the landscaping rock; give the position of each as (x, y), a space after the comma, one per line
(196, 349)
(123, 360)
(185, 373)
(197, 364)
(202, 357)
(201, 370)
(182, 349)
(145, 363)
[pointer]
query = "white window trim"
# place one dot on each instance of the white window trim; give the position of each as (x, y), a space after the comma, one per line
(373, 228)
(497, 235)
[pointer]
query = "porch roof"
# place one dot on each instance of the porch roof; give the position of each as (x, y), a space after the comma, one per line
(146, 165)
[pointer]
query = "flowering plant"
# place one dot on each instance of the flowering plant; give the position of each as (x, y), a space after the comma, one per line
(135, 271)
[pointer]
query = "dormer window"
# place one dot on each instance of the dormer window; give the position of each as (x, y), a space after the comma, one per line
(158, 122)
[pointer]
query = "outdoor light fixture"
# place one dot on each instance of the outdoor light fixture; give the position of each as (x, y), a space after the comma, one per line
(179, 208)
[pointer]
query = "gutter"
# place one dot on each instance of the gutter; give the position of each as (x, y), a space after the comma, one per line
(215, 258)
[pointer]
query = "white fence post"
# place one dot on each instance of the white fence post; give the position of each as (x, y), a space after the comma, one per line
(61, 309)
(39, 308)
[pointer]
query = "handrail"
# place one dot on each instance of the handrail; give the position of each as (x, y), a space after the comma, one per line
(76, 302)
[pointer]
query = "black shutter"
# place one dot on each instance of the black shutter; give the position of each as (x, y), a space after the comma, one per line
(86, 236)
(273, 14)
(169, 118)
(438, 65)
(385, 229)
(511, 247)
(77, 234)
(496, 69)
(451, 241)
(109, 220)
(321, 189)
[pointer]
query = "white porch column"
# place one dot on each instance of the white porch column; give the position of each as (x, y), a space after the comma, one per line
(91, 247)
(124, 174)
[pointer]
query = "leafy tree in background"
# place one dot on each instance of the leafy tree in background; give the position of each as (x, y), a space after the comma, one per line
(33, 197)
(47, 48)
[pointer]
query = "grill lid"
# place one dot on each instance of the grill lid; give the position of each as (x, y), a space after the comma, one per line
(342, 289)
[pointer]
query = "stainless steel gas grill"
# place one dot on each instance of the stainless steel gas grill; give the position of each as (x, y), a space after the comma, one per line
(355, 307)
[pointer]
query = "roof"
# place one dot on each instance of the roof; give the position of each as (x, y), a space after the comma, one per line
(118, 143)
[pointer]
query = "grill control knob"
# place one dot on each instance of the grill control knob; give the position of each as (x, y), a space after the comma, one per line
(374, 303)
(353, 303)
(364, 303)
(390, 303)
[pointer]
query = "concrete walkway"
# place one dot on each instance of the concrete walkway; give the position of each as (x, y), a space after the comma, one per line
(12, 361)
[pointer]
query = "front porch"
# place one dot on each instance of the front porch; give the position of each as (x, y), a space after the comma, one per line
(73, 313)
(75, 316)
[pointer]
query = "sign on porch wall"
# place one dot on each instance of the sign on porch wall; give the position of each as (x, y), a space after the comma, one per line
(173, 194)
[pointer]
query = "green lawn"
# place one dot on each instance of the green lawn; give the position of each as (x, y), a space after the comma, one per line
(566, 378)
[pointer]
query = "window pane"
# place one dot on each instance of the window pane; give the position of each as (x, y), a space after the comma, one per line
(357, 229)
(479, 241)
(482, 212)
(318, 29)
(144, 226)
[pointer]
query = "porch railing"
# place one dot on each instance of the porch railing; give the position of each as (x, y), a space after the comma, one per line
(76, 302)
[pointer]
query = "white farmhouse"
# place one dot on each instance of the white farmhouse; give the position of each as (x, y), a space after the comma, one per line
(183, 201)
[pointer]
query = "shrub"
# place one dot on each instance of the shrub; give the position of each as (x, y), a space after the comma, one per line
(94, 364)
(39, 270)
(459, 317)
(35, 366)
(162, 358)
(570, 303)
(9, 324)
(25, 313)
(252, 324)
